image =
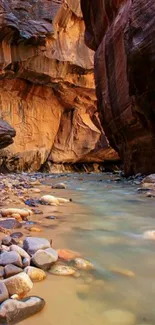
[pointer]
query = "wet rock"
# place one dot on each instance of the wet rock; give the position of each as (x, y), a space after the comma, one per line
(10, 223)
(35, 274)
(67, 254)
(19, 284)
(150, 194)
(143, 189)
(36, 211)
(51, 217)
(3, 293)
(11, 270)
(16, 235)
(14, 311)
(62, 270)
(32, 245)
(24, 213)
(31, 202)
(118, 317)
(26, 262)
(83, 264)
(149, 179)
(20, 251)
(59, 186)
(43, 259)
(10, 258)
(7, 240)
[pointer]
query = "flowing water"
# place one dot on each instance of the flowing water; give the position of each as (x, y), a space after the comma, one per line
(105, 223)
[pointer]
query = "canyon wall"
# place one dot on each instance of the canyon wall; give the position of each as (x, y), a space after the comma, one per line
(47, 90)
(122, 33)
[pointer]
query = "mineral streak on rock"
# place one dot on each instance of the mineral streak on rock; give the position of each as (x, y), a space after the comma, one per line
(123, 35)
(47, 85)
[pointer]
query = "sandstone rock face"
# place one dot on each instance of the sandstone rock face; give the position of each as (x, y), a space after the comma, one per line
(47, 85)
(122, 34)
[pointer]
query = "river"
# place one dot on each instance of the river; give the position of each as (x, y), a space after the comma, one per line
(105, 223)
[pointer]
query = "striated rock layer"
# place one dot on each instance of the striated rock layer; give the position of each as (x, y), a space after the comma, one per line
(122, 33)
(47, 85)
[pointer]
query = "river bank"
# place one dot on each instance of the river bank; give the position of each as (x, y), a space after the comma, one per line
(105, 223)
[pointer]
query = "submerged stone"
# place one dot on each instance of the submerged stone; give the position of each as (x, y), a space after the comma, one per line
(14, 311)
(83, 264)
(62, 270)
(10, 223)
(118, 317)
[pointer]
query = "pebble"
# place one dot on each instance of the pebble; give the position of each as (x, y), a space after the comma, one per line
(35, 274)
(7, 240)
(62, 270)
(33, 244)
(118, 317)
(16, 235)
(43, 259)
(59, 186)
(10, 223)
(20, 251)
(10, 258)
(13, 311)
(22, 212)
(67, 254)
(3, 292)
(35, 190)
(11, 270)
(18, 284)
(82, 264)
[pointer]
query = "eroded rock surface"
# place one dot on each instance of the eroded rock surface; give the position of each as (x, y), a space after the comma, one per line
(47, 85)
(122, 34)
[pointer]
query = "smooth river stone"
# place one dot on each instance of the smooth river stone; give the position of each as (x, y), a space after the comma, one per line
(62, 270)
(11, 270)
(83, 264)
(3, 293)
(14, 311)
(43, 259)
(32, 244)
(20, 251)
(10, 258)
(10, 223)
(18, 284)
(59, 186)
(118, 317)
(35, 274)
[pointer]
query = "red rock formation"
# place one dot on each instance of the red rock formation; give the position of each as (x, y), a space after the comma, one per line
(122, 32)
(47, 85)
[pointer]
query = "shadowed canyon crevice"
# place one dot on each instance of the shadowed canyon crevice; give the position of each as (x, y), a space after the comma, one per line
(123, 35)
(47, 90)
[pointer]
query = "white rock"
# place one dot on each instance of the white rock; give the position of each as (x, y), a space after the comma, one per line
(23, 212)
(52, 200)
